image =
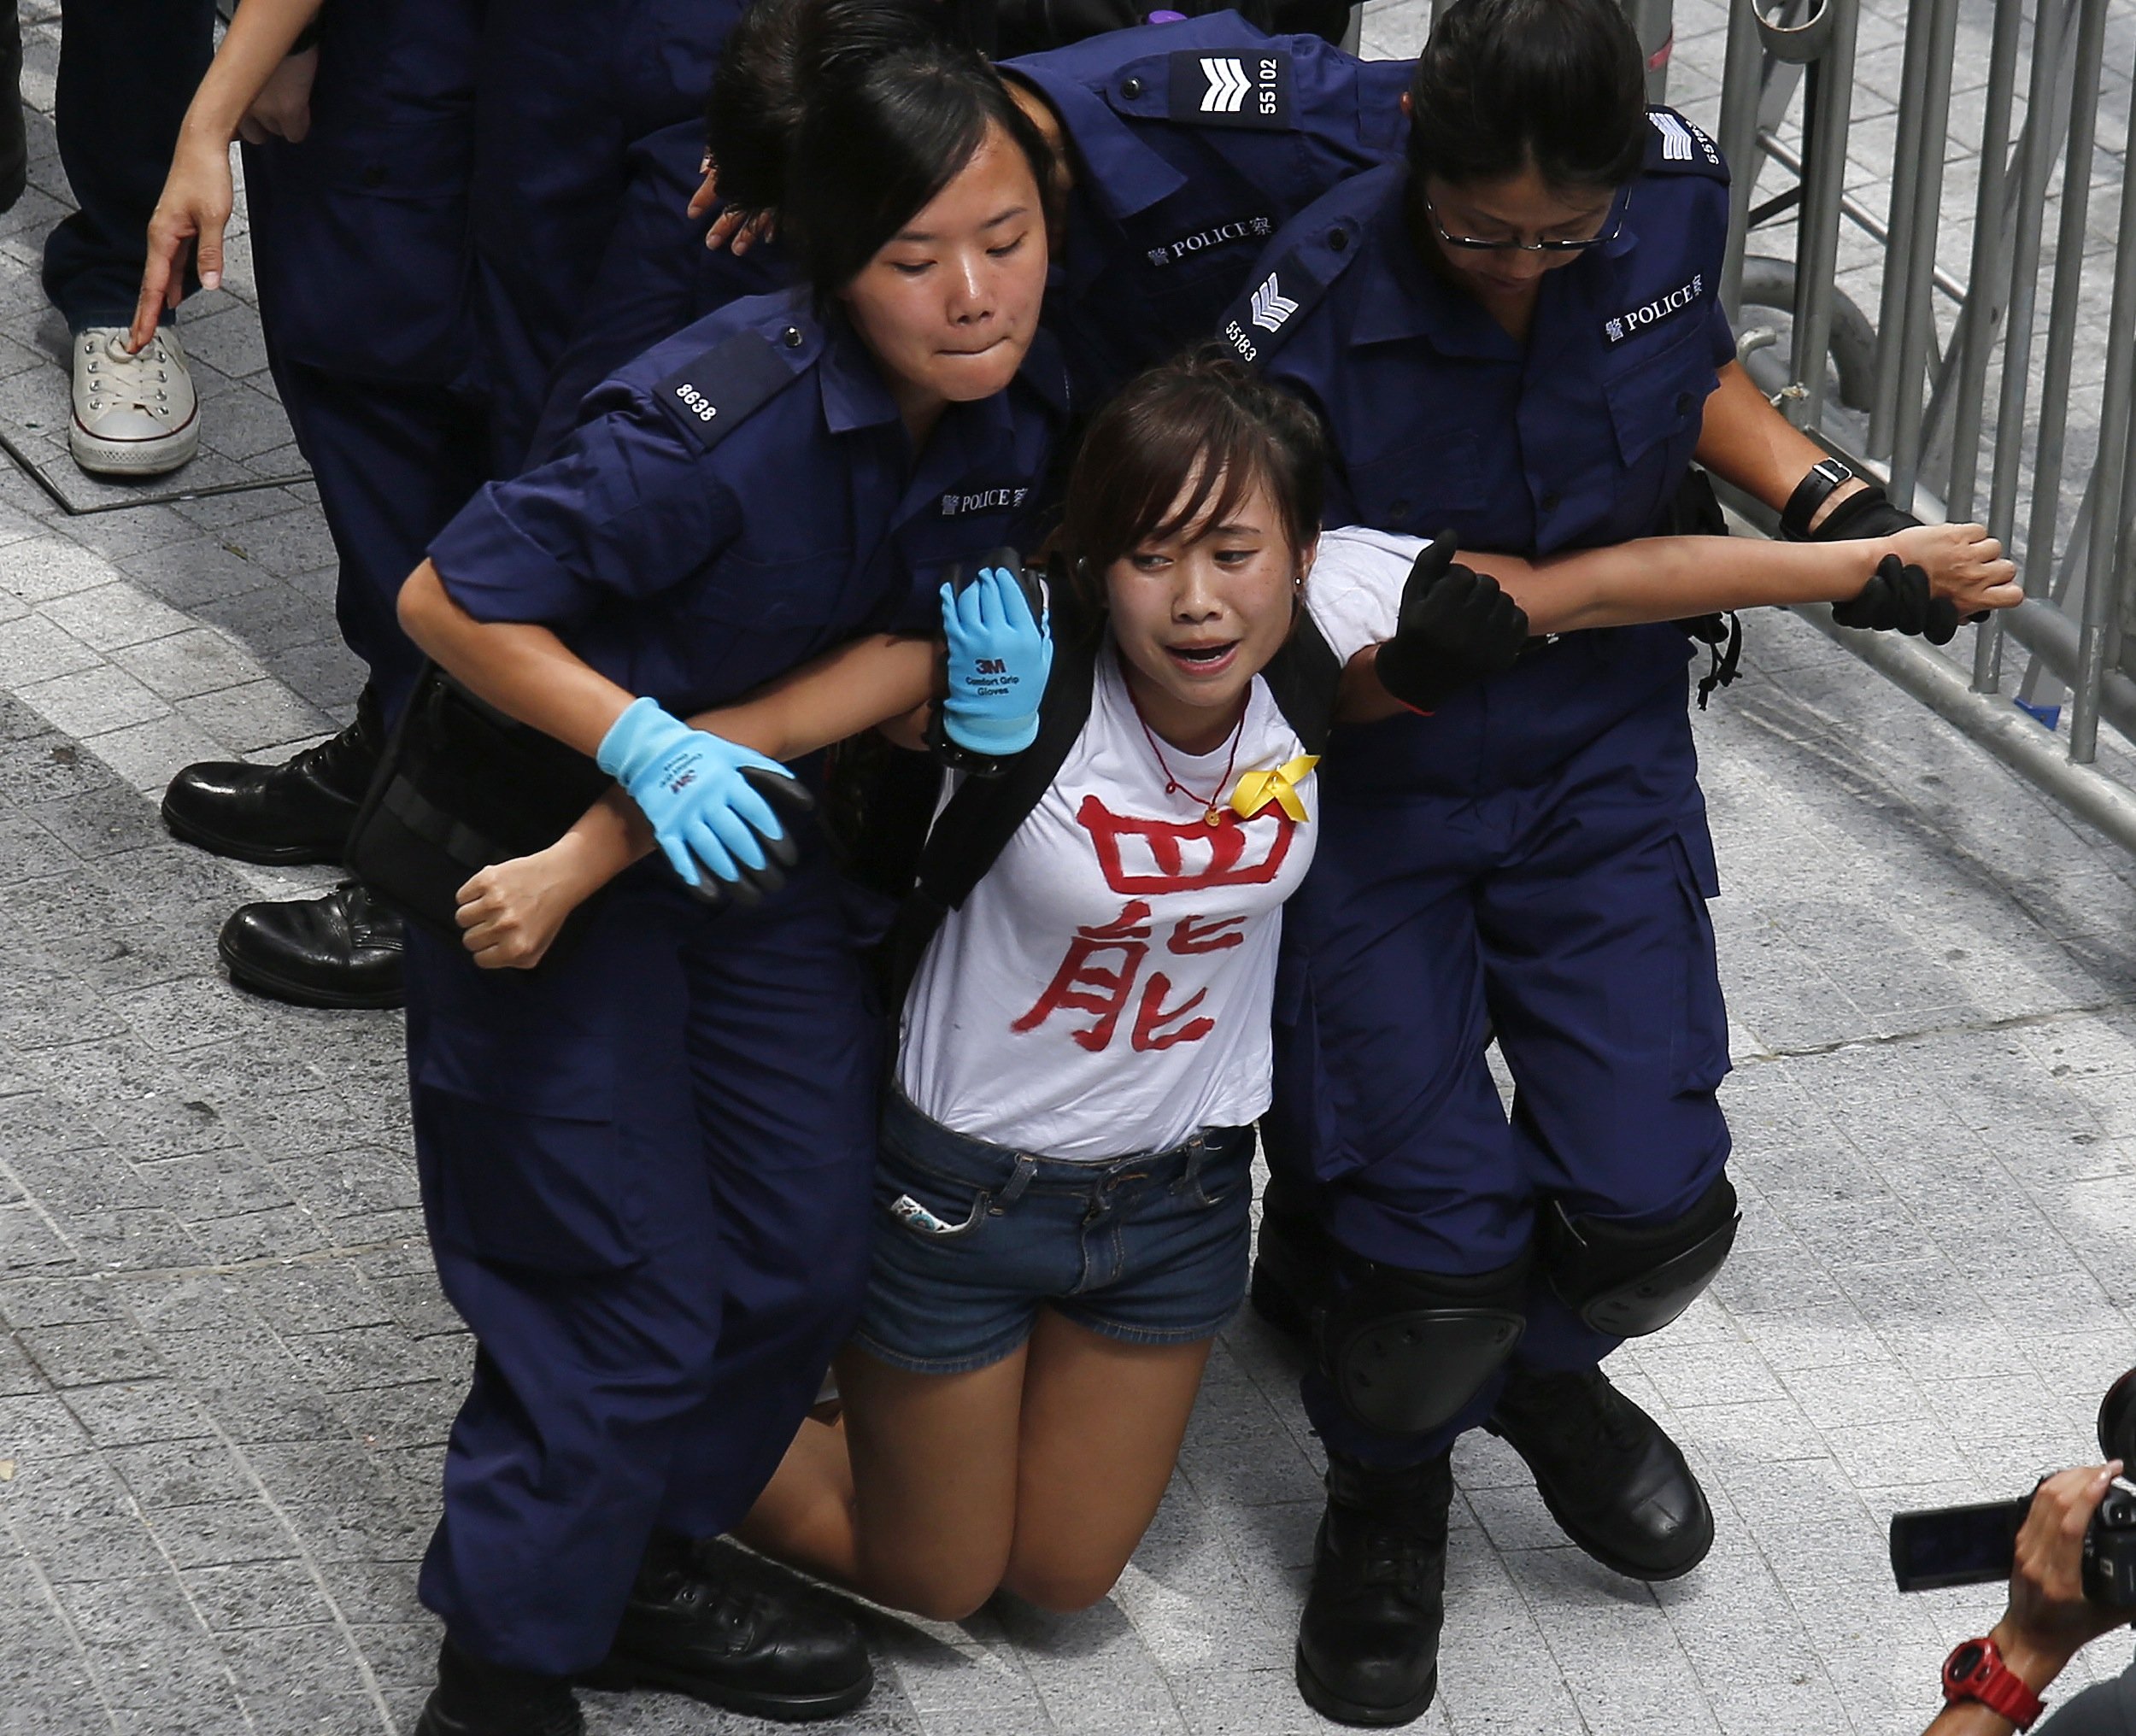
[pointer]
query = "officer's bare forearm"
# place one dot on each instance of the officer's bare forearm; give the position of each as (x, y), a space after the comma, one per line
(258, 41)
(605, 839)
(1747, 442)
(840, 694)
(845, 692)
(522, 669)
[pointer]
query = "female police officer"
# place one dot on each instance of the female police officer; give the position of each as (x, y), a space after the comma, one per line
(1179, 149)
(1516, 334)
(646, 1169)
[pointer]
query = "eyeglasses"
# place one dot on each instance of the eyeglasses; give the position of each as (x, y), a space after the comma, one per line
(1612, 226)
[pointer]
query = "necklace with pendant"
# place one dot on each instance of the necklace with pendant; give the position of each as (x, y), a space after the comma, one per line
(1212, 803)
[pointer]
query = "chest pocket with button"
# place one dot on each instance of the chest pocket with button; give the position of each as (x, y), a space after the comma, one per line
(1657, 408)
(1430, 482)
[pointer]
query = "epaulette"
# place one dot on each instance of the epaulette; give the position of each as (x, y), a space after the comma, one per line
(1265, 314)
(722, 386)
(1676, 146)
(1252, 88)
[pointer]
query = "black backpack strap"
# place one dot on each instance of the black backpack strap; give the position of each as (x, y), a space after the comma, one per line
(976, 823)
(1304, 678)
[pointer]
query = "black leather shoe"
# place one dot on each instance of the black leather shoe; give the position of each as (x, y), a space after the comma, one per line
(341, 950)
(1368, 1644)
(475, 1699)
(1617, 1485)
(300, 810)
(1294, 1260)
(726, 1627)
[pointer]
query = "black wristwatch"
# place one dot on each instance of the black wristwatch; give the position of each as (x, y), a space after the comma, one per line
(1811, 493)
(955, 756)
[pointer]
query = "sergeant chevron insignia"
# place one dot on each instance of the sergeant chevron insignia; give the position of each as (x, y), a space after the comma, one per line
(1269, 306)
(1235, 90)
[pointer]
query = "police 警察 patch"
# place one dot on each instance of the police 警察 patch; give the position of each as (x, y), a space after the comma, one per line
(1255, 229)
(719, 388)
(1655, 310)
(983, 497)
(1680, 147)
(1252, 88)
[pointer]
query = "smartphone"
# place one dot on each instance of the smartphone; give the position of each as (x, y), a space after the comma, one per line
(963, 573)
(1937, 1546)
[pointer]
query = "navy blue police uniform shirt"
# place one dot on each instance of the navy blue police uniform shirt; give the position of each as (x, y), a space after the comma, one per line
(1441, 420)
(1192, 145)
(744, 496)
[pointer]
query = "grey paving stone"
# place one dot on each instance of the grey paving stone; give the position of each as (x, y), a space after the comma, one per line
(182, 1473)
(225, 1534)
(126, 1413)
(90, 1354)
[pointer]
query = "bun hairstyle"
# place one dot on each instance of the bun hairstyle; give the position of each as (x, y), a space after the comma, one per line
(1505, 85)
(879, 140)
(1182, 442)
(777, 52)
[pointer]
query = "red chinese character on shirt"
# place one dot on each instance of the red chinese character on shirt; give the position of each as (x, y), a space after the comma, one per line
(1141, 858)
(1098, 975)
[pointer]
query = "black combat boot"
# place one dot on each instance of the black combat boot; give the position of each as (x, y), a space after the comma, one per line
(723, 1626)
(300, 810)
(1615, 1484)
(1294, 1259)
(475, 1699)
(1368, 1644)
(344, 949)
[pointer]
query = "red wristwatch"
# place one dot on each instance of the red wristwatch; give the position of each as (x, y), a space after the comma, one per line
(1976, 1671)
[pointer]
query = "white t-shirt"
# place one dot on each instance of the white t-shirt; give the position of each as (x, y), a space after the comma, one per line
(1355, 592)
(1107, 987)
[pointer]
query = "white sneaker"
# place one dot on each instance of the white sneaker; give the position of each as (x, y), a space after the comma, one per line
(134, 415)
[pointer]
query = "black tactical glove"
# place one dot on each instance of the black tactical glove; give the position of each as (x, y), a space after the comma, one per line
(1866, 512)
(1897, 600)
(1456, 627)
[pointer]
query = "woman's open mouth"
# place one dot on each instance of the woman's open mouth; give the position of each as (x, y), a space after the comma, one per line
(1204, 660)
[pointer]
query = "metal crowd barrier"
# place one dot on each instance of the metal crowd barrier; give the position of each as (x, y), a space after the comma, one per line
(1908, 404)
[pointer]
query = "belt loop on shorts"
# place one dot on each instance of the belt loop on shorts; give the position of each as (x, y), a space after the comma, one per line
(1026, 1167)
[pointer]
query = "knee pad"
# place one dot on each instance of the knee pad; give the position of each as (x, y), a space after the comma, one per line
(1627, 1281)
(1406, 1351)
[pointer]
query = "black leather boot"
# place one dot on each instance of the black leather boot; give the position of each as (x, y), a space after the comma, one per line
(1368, 1644)
(724, 1627)
(1294, 1259)
(341, 950)
(1615, 1484)
(475, 1699)
(300, 810)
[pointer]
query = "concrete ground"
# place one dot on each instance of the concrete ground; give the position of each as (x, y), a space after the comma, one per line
(227, 1371)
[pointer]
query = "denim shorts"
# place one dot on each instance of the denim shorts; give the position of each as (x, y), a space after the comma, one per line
(973, 1237)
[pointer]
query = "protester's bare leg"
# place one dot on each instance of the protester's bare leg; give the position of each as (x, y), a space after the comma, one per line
(934, 1476)
(805, 1514)
(1102, 1424)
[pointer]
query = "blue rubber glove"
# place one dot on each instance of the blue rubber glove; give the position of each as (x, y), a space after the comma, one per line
(999, 658)
(706, 797)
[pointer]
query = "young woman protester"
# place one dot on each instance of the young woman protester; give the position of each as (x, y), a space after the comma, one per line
(1515, 333)
(1084, 1044)
(646, 1169)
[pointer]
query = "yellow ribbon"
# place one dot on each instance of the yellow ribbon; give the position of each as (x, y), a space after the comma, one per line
(1256, 789)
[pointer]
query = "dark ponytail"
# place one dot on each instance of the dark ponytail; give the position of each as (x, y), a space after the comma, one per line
(875, 144)
(1504, 85)
(777, 52)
